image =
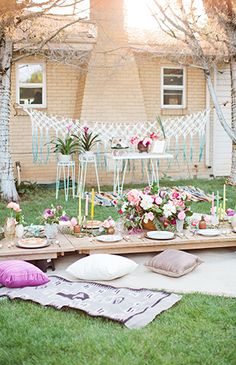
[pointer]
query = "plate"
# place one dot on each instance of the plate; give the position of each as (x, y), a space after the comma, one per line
(109, 238)
(209, 232)
(93, 224)
(32, 242)
(160, 235)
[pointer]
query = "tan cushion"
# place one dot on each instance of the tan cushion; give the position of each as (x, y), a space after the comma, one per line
(173, 263)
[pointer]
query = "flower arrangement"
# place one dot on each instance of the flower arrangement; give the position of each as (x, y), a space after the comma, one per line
(16, 212)
(67, 145)
(158, 206)
(143, 142)
(88, 140)
(58, 215)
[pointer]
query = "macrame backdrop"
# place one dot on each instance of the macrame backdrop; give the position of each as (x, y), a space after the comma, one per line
(179, 132)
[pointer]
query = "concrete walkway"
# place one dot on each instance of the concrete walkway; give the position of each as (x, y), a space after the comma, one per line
(216, 275)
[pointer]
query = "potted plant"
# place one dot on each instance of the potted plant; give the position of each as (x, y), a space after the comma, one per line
(88, 140)
(66, 146)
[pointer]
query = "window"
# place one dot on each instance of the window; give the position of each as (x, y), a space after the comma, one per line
(31, 85)
(173, 87)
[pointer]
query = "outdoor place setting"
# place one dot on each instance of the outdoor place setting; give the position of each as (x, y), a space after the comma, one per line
(117, 182)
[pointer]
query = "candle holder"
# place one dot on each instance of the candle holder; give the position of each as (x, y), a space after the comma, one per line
(77, 229)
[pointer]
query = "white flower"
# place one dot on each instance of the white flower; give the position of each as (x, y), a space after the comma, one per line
(147, 202)
(124, 206)
(169, 209)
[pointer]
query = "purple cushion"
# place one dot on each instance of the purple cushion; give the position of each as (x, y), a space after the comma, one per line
(17, 274)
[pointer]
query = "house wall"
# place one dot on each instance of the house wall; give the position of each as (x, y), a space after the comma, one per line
(222, 145)
(119, 86)
(63, 99)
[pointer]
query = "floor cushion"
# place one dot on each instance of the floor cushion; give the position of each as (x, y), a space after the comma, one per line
(173, 263)
(18, 273)
(101, 267)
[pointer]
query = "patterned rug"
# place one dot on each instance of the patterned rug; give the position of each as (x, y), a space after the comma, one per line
(134, 308)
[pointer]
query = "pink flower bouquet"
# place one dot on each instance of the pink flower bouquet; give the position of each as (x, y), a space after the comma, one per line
(160, 207)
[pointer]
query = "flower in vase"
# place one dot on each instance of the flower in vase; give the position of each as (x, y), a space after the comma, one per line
(148, 217)
(181, 215)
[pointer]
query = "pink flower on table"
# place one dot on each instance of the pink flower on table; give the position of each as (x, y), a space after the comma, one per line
(133, 196)
(154, 136)
(14, 206)
(108, 223)
(158, 200)
(146, 141)
(179, 203)
(175, 195)
(148, 217)
(134, 139)
(181, 215)
(194, 222)
(48, 213)
(73, 221)
(230, 212)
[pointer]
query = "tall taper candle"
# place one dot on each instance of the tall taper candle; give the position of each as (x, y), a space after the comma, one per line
(224, 199)
(213, 204)
(217, 203)
(86, 205)
(80, 210)
(92, 205)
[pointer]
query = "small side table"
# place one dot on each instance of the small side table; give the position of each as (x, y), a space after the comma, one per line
(67, 169)
(84, 159)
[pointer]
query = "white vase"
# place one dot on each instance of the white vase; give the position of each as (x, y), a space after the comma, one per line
(19, 230)
(64, 158)
(50, 230)
(179, 225)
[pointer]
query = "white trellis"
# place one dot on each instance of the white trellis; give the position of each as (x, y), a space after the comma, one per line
(45, 126)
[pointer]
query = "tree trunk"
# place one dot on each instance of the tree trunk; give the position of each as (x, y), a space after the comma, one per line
(231, 133)
(233, 116)
(8, 188)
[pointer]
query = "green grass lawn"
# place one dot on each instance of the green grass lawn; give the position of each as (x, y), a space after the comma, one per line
(199, 330)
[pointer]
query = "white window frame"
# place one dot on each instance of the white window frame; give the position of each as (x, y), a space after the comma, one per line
(173, 87)
(31, 85)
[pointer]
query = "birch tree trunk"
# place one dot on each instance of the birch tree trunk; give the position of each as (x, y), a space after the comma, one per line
(7, 183)
(233, 117)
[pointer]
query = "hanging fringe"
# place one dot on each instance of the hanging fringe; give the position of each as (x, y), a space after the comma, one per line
(202, 144)
(191, 148)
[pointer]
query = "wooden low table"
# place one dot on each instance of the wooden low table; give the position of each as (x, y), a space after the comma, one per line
(138, 244)
(39, 256)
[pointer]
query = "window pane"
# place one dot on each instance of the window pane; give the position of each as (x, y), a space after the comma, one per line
(173, 76)
(31, 73)
(31, 95)
(173, 97)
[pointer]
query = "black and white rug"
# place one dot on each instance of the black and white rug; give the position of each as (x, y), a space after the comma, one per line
(134, 308)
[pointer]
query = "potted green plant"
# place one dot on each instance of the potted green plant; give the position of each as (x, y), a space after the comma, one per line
(88, 140)
(66, 146)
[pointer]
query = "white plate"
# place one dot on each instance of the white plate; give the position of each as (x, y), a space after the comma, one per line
(160, 235)
(33, 242)
(109, 238)
(209, 232)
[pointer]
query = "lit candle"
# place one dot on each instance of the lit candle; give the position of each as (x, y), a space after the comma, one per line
(79, 212)
(224, 199)
(217, 203)
(92, 204)
(86, 205)
(213, 204)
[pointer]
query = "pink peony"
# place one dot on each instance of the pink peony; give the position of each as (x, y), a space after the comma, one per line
(158, 200)
(181, 215)
(133, 196)
(148, 217)
(175, 195)
(146, 141)
(134, 139)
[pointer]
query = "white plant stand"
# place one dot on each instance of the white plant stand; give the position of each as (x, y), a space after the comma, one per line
(67, 170)
(84, 160)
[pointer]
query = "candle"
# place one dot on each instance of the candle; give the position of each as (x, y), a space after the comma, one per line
(217, 203)
(79, 210)
(92, 205)
(86, 205)
(213, 204)
(220, 213)
(224, 199)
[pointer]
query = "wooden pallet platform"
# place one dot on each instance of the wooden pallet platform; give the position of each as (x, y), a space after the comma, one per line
(137, 244)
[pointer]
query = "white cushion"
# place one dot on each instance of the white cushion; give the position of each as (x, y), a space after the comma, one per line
(101, 267)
